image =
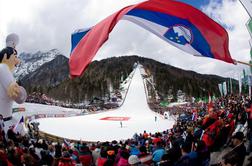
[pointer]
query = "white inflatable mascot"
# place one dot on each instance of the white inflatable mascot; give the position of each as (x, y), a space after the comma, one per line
(9, 90)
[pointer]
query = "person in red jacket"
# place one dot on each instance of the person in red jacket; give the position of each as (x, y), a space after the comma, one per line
(66, 160)
(123, 161)
(85, 156)
(211, 133)
(3, 157)
(210, 118)
(102, 159)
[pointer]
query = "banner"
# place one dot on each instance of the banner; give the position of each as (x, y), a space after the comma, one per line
(220, 89)
(19, 109)
(249, 80)
(247, 4)
(240, 84)
(224, 86)
(231, 87)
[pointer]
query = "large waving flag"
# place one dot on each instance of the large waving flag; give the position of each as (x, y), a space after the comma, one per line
(179, 24)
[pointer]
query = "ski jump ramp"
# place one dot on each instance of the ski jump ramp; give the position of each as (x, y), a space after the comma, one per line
(134, 116)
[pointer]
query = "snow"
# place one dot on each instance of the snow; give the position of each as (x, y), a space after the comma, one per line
(35, 109)
(91, 128)
(31, 62)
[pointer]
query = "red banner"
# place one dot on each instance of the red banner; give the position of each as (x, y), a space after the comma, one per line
(116, 118)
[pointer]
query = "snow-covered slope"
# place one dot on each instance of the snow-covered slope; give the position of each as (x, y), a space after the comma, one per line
(93, 128)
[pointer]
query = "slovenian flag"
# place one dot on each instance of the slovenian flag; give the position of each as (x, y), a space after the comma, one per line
(177, 23)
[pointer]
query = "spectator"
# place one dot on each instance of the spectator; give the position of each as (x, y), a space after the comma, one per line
(96, 152)
(1, 122)
(185, 159)
(85, 156)
(203, 154)
(230, 160)
(123, 161)
(3, 157)
(158, 153)
(102, 159)
(11, 134)
(144, 156)
(65, 160)
(134, 161)
(174, 152)
(239, 150)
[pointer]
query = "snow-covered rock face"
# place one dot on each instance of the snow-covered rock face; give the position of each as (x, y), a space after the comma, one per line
(31, 62)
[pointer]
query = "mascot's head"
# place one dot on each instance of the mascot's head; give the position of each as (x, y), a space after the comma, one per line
(8, 55)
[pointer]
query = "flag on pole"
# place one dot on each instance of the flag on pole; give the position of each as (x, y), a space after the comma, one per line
(244, 73)
(177, 23)
(231, 87)
(247, 4)
(240, 83)
(224, 85)
(66, 143)
(19, 128)
(220, 89)
(209, 98)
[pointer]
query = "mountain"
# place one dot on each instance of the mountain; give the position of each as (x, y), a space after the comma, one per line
(52, 79)
(49, 74)
(31, 62)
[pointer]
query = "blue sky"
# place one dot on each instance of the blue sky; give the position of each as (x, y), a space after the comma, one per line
(196, 3)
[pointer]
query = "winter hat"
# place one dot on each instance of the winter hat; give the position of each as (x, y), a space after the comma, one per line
(133, 159)
(12, 40)
(110, 152)
(40, 141)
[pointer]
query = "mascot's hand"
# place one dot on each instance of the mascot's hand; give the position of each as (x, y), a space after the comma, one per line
(13, 90)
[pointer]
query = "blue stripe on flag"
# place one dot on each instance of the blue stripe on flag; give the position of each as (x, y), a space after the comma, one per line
(77, 36)
(199, 43)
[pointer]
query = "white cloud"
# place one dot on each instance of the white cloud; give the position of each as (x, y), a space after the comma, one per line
(232, 14)
(44, 25)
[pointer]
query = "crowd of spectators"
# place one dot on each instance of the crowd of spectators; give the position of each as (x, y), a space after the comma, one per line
(226, 122)
(93, 105)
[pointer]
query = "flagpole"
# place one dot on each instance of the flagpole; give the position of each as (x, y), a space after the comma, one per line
(246, 8)
(244, 63)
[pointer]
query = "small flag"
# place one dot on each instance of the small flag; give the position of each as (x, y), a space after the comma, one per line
(19, 123)
(66, 143)
(209, 98)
